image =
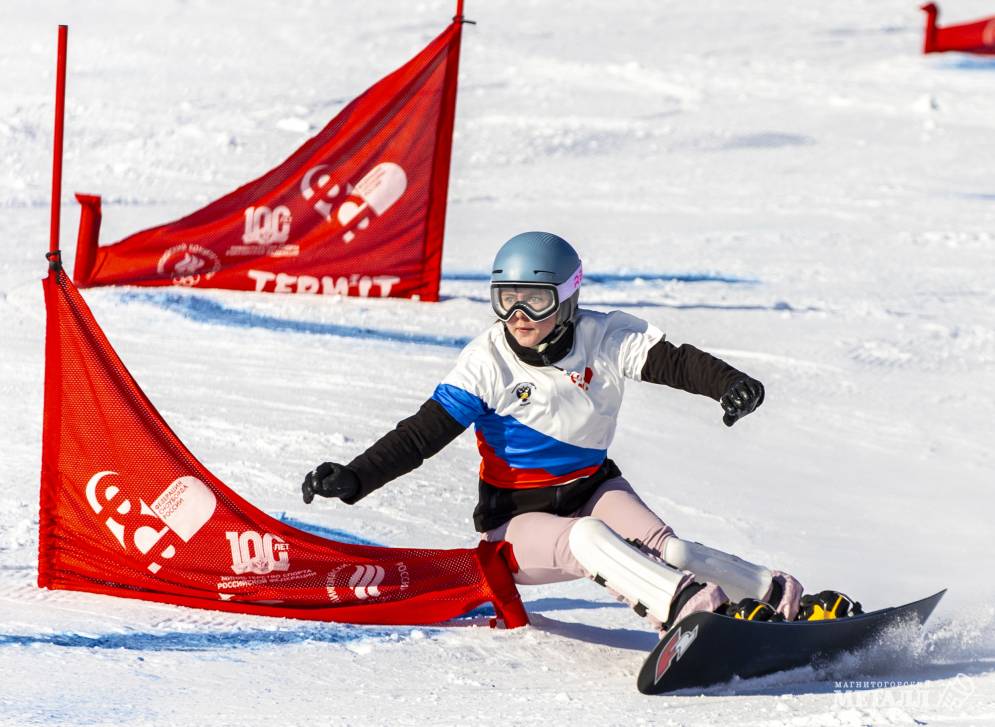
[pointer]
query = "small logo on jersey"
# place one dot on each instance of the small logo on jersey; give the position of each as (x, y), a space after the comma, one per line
(583, 381)
(523, 392)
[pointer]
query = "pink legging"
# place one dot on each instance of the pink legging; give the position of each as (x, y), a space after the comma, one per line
(541, 541)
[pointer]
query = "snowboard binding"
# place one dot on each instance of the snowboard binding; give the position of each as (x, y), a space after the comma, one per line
(827, 605)
(752, 609)
(822, 606)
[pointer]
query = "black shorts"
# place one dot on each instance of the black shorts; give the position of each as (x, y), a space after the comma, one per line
(498, 505)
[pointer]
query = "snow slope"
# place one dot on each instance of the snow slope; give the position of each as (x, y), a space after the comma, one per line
(790, 186)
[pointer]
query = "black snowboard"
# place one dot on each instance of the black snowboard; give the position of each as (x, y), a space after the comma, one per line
(705, 648)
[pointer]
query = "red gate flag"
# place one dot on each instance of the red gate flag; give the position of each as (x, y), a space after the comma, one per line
(975, 37)
(127, 510)
(359, 209)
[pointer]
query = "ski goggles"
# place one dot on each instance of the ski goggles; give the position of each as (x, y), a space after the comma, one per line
(538, 301)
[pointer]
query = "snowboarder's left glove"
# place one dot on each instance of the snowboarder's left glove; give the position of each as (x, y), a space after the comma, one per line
(330, 479)
(743, 396)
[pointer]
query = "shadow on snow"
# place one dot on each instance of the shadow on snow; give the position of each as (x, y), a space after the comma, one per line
(206, 640)
(339, 536)
(204, 310)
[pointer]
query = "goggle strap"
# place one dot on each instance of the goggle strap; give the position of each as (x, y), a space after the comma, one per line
(570, 286)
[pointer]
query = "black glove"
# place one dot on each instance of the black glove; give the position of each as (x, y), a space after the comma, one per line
(330, 479)
(743, 396)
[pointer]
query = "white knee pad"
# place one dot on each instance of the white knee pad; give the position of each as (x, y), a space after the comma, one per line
(738, 578)
(625, 569)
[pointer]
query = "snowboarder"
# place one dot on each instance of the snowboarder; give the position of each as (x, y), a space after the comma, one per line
(543, 386)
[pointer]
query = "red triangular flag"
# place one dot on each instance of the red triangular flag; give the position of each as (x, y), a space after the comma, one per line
(127, 510)
(975, 37)
(358, 210)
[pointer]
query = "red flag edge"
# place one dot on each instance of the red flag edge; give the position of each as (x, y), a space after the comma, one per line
(51, 439)
(90, 216)
(439, 187)
(929, 37)
(497, 561)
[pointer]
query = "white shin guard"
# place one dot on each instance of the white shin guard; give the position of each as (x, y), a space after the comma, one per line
(738, 578)
(625, 569)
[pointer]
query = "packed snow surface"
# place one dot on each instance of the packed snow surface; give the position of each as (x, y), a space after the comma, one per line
(791, 186)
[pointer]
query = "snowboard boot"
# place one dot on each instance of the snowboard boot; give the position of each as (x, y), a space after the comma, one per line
(695, 597)
(827, 605)
(784, 595)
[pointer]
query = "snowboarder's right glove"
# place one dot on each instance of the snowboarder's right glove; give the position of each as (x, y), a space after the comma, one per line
(330, 479)
(743, 396)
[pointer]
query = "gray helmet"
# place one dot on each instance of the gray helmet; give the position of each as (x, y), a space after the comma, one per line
(545, 263)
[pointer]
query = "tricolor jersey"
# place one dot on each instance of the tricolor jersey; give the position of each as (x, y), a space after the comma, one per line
(538, 426)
